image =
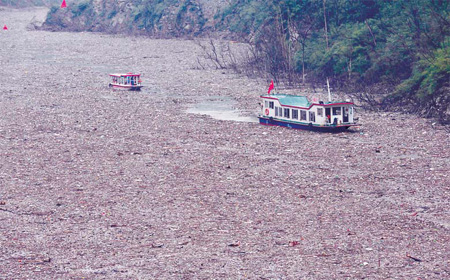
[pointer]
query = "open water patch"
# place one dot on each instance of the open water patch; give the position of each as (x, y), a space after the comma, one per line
(220, 108)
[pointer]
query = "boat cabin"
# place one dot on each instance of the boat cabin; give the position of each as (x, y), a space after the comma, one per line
(296, 111)
(127, 81)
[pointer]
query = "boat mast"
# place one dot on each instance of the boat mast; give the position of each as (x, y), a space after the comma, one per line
(329, 93)
(328, 47)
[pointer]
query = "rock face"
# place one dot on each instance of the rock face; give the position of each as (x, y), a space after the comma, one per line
(28, 3)
(165, 19)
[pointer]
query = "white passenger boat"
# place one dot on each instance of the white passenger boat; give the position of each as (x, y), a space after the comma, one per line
(295, 111)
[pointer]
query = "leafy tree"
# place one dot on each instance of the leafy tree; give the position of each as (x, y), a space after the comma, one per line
(402, 44)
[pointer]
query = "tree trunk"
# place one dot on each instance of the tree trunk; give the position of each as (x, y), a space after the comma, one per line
(325, 20)
(303, 63)
(328, 47)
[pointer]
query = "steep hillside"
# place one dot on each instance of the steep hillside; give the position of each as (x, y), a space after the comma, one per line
(170, 18)
(389, 54)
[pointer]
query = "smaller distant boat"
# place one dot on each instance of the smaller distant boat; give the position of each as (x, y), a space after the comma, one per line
(128, 81)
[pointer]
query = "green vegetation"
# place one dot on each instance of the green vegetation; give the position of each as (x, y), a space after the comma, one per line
(148, 13)
(82, 8)
(153, 15)
(403, 45)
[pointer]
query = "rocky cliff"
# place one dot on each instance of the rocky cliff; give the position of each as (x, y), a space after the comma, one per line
(169, 18)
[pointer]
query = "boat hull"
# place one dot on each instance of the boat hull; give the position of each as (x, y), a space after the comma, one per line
(304, 126)
(126, 87)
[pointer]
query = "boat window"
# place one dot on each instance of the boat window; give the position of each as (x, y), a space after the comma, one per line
(303, 115)
(320, 112)
(295, 114)
(276, 111)
(271, 104)
(286, 112)
(336, 111)
(266, 103)
(312, 116)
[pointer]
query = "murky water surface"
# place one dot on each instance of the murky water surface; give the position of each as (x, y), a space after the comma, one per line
(220, 108)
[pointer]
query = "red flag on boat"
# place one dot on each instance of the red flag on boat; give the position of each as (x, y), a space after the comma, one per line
(5, 27)
(63, 4)
(270, 87)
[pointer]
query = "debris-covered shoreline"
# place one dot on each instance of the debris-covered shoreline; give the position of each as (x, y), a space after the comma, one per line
(96, 183)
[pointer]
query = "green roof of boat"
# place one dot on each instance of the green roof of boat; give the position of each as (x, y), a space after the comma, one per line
(297, 100)
(291, 100)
